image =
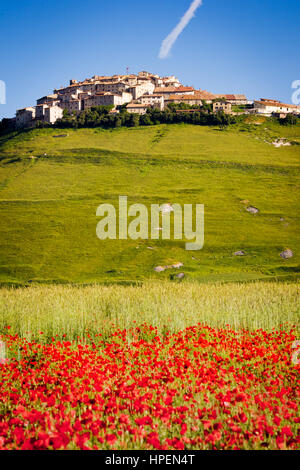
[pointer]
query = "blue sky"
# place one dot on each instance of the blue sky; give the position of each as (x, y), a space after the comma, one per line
(236, 46)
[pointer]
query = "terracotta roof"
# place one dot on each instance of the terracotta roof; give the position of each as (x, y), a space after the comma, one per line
(206, 95)
(277, 104)
(195, 96)
(137, 105)
(235, 97)
(172, 89)
(269, 99)
(229, 97)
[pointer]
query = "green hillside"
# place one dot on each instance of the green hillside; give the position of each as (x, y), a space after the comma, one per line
(51, 187)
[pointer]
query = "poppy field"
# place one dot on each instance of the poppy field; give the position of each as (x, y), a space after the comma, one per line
(199, 388)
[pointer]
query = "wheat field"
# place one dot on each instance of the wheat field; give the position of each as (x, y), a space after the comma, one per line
(86, 311)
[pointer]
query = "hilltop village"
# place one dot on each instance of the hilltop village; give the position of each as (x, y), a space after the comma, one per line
(138, 93)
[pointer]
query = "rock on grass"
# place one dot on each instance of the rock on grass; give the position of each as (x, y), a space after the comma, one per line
(252, 210)
(286, 254)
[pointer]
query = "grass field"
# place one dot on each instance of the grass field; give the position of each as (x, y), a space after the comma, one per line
(48, 203)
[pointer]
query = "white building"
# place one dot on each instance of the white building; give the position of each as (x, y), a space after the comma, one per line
(170, 81)
(146, 87)
(52, 113)
(157, 101)
(268, 107)
(126, 97)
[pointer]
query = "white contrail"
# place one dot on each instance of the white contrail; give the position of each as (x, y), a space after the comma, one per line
(171, 38)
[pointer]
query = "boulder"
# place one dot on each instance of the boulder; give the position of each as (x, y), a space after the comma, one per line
(286, 254)
(252, 210)
(159, 269)
(178, 276)
(177, 265)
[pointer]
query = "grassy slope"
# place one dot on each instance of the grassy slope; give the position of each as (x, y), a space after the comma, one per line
(48, 203)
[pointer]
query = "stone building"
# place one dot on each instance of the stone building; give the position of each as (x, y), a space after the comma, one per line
(170, 81)
(206, 96)
(222, 106)
(236, 99)
(72, 105)
(25, 116)
(40, 111)
(140, 91)
(47, 99)
(107, 99)
(111, 87)
(137, 108)
(52, 113)
(191, 99)
(171, 90)
(156, 101)
(146, 87)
